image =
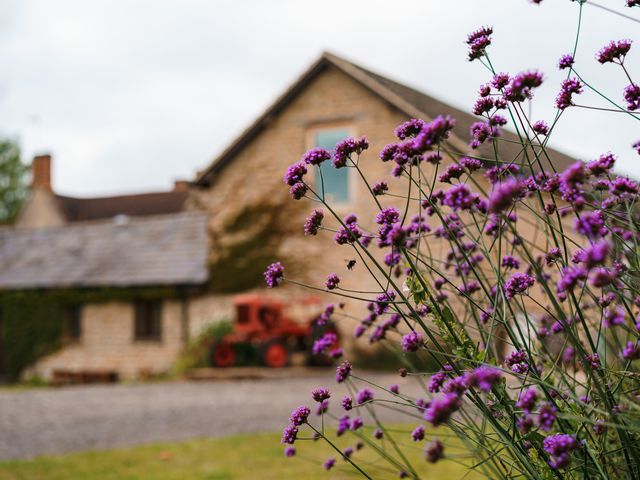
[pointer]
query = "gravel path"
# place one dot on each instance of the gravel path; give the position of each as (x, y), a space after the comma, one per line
(61, 420)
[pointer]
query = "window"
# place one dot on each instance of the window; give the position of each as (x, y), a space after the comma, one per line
(336, 180)
(73, 323)
(148, 320)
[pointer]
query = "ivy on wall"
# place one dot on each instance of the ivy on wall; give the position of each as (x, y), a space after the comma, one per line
(33, 321)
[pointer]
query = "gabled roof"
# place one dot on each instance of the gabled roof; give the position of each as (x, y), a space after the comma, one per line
(157, 203)
(124, 252)
(407, 100)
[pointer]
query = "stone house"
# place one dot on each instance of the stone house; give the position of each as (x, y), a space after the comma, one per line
(240, 211)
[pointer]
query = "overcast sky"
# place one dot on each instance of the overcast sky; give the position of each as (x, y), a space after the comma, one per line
(130, 95)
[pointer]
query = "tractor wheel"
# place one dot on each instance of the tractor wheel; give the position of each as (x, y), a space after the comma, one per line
(223, 354)
(274, 353)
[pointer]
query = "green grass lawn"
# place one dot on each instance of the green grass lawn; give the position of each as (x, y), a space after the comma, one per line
(235, 457)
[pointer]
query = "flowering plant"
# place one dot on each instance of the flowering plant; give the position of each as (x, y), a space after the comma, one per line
(532, 315)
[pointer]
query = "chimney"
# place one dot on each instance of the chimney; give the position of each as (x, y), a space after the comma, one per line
(180, 185)
(41, 172)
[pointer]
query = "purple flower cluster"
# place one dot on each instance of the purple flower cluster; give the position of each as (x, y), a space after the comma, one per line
(528, 399)
(521, 86)
(478, 41)
(518, 284)
(614, 52)
(434, 451)
(320, 394)
(412, 341)
(332, 282)
(568, 88)
(504, 194)
(322, 344)
(364, 395)
(484, 377)
(316, 156)
(566, 61)
(418, 434)
(274, 274)
(540, 127)
(313, 222)
(517, 361)
(460, 197)
(632, 96)
(441, 408)
(380, 188)
(559, 447)
(342, 371)
(345, 148)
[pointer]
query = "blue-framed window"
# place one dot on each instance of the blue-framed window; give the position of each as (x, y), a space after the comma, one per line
(336, 180)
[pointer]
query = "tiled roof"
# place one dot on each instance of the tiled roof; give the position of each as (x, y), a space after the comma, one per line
(158, 203)
(121, 252)
(409, 101)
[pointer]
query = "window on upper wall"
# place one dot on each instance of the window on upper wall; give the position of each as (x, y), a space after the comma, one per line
(336, 180)
(148, 320)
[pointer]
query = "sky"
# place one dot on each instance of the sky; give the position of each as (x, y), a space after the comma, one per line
(129, 96)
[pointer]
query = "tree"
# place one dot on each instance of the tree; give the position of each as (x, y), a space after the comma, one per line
(13, 180)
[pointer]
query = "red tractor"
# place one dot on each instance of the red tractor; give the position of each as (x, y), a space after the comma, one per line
(262, 334)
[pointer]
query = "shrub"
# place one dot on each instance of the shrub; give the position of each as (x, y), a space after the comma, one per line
(531, 314)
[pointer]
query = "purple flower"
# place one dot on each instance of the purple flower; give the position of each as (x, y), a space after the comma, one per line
(320, 394)
(313, 222)
(559, 447)
(323, 343)
(379, 188)
(478, 41)
(483, 105)
(593, 360)
(500, 80)
(485, 377)
(614, 51)
(347, 403)
(442, 408)
(603, 164)
(517, 361)
(329, 463)
(596, 254)
(527, 399)
(332, 282)
(356, 424)
(289, 434)
(480, 133)
(520, 87)
(378, 434)
(316, 156)
(517, 284)
(394, 388)
(631, 351)
(274, 274)
(295, 173)
(364, 395)
(591, 225)
(289, 451)
(434, 451)
(613, 317)
(412, 341)
(437, 379)
(299, 415)
(632, 96)
(387, 216)
(410, 128)
(347, 452)
(546, 416)
(566, 61)
(540, 127)
(343, 371)
(509, 261)
(460, 197)
(504, 194)
(524, 423)
(636, 147)
(418, 433)
(568, 88)
(298, 190)
(346, 148)
(343, 425)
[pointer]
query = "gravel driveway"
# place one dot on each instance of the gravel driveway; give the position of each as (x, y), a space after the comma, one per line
(60, 420)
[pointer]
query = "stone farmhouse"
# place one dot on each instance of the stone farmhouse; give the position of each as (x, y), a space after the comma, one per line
(171, 262)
